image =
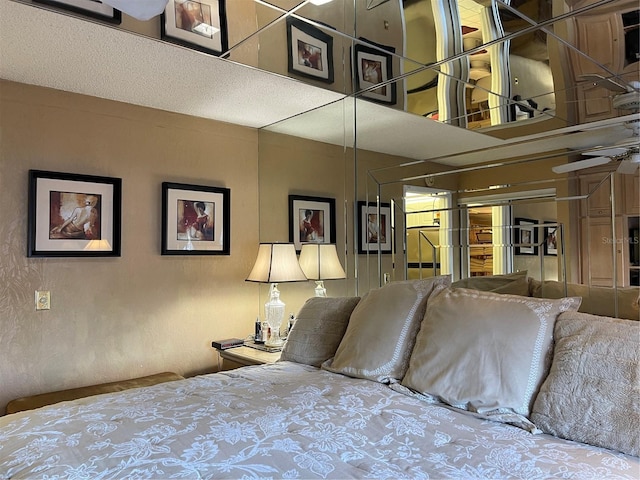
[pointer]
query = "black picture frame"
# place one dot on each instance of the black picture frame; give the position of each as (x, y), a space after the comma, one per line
(372, 65)
(73, 215)
(526, 236)
(310, 51)
(89, 8)
(199, 25)
(319, 227)
(192, 229)
(551, 241)
(369, 227)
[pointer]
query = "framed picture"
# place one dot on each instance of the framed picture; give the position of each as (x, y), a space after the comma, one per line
(200, 25)
(551, 241)
(374, 66)
(526, 236)
(310, 51)
(311, 220)
(91, 8)
(73, 215)
(374, 235)
(195, 220)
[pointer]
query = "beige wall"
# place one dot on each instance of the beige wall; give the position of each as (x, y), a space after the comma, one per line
(142, 313)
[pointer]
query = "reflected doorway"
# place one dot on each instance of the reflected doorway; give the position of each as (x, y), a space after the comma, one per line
(485, 237)
(480, 238)
(428, 232)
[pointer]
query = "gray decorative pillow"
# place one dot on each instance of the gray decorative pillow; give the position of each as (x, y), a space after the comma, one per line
(318, 330)
(507, 283)
(520, 286)
(592, 393)
(382, 330)
(485, 352)
(595, 300)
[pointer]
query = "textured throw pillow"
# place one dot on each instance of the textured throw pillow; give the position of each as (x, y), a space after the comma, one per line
(485, 352)
(592, 393)
(318, 330)
(382, 330)
(492, 282)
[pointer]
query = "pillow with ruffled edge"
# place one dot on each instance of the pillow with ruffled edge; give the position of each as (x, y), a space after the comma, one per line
(382, 330)
(592, 390)
(485, 352)
(318, 330)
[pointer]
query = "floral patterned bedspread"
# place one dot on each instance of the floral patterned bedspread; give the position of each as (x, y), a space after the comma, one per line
(282, 421)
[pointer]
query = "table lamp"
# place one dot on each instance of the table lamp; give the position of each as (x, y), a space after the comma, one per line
(319, 261)
(276, 263)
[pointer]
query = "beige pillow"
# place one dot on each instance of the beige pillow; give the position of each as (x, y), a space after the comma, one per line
(595, 300)
(382, 330)
(492, 282)
(485, 352)
(318, 330)
(592, 393)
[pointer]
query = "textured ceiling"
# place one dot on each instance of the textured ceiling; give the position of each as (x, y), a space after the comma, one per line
(90, 58)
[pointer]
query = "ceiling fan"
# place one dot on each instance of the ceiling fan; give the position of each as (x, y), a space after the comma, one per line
(627, 151)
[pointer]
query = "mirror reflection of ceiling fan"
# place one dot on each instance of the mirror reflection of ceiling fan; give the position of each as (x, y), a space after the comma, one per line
(627, 151)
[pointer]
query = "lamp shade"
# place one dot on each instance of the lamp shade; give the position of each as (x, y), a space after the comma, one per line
(276, 263)
(98, 245)
(139, 9)
(320, 262)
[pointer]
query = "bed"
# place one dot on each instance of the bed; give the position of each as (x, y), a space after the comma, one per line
(282, 421)
(322, 413)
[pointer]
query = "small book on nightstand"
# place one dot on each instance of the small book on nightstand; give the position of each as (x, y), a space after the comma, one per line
(228, 343)
(263, 347)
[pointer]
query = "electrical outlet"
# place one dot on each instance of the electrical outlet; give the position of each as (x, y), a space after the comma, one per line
(43, 300)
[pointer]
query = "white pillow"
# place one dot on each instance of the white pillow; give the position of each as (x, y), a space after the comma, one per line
(382, 330)
(485, 352)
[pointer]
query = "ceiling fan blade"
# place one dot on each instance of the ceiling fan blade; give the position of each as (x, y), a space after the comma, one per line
(601, 81)
(606, 151)
(580, 164)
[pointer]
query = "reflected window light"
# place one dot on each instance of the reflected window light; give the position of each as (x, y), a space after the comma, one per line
(320, 2)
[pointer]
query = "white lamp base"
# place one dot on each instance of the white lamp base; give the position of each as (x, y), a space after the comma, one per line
(320, 290)
(274, 339)
(274, 313)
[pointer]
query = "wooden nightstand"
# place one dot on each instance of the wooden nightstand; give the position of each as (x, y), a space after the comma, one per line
(237, 357)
